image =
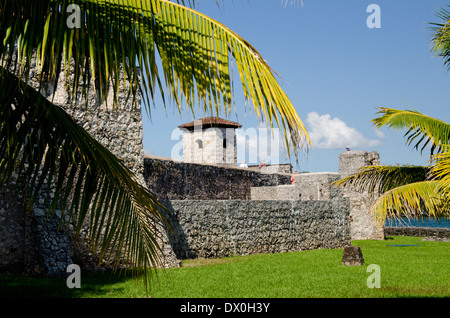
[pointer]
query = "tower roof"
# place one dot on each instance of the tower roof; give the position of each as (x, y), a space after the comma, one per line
(211, 122)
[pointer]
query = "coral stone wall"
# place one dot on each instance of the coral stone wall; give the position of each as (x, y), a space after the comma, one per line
(178, 180)
(12, 230)
(220, 228)
(363, 224)
(29, 242)
(318, 186)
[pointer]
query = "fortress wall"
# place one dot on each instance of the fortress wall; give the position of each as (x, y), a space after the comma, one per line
(178, 180)
(221, 228)
(31, 244)
(317, 186)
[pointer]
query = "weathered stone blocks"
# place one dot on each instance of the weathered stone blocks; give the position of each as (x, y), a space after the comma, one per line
(352, 256)
(318, 186)
(178, 180)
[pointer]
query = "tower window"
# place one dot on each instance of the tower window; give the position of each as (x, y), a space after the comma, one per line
(199, 143)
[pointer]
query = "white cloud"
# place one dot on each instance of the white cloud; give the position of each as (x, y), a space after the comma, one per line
(333, 133)
(379, 134)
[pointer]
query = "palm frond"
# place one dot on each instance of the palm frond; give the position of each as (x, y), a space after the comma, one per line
(441, 169)
(423, 130)
(414, 200)
(196, 53)
(441, 36)
(379, 179)
(50, 152)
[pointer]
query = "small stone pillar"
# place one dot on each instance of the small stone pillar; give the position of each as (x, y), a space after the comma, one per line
(352, 256)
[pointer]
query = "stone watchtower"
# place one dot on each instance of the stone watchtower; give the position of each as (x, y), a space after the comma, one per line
(210, 140)
(363, 225)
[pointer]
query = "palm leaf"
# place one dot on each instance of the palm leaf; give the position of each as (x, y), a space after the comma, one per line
(441, 169)
(441, 36)
(413, 200)
(422, 129)
(196, 53)
(119, 42)
(379, 179)
(48, 149)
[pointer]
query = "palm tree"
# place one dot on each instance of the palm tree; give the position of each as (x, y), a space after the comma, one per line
(43, 146)
(411, 191)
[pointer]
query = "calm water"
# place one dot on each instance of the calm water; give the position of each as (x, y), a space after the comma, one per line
(426, 222)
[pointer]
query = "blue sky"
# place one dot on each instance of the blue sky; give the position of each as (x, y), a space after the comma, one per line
(336, 71)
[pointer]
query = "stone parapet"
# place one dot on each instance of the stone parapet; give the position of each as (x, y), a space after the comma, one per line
(221, 228)
(317, 186)
(179, 180)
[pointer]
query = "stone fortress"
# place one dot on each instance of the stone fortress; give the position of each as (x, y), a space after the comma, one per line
(217, 208)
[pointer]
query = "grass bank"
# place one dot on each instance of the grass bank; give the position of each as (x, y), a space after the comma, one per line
(405, 271)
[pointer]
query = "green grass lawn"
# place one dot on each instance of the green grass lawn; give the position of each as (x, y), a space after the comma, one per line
(411, 271)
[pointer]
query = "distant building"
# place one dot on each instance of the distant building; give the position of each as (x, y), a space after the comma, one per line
(210, 140)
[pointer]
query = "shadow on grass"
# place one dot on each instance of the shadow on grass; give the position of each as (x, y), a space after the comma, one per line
(94, 284)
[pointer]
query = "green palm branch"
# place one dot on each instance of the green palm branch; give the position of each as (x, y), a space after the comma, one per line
(411, 191)
(441, 36)
(196, 54)
(422, 129)
(413, 200)
(118, 41)
(91, 183)
(380, 179)
(441, 169)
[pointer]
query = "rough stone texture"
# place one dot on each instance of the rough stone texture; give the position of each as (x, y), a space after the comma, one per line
(281, 192)
(418, 231)
(308, 186)
(351, 161)
(317, 186)
(120, 131)
(363, 224)
(213, 229)
(178, 180)
(352, 256)
(51, 244)
(276, 168)
(12, 230)
(32, 245)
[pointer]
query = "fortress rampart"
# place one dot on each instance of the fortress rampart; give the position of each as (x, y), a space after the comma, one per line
(215, 209)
